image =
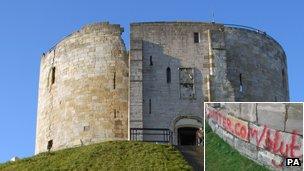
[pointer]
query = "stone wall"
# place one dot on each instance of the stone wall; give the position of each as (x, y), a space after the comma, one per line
(83, 89)
(156, 48)
(226, 64)
(264, 132)
(256, 66)
(85, 81)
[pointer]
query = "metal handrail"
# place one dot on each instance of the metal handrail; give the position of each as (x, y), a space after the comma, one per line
(228, 25)
(245, 27)
(164, 135)
(251, 29)
(160, 129)
(54, 46)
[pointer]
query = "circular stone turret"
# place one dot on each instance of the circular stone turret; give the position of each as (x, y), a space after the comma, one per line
(83, 89)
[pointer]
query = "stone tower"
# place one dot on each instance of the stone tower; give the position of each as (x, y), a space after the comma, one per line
(88, 92)
(176, 66)
(83, 90)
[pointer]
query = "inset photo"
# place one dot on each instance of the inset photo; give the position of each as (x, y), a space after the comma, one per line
(253, 136)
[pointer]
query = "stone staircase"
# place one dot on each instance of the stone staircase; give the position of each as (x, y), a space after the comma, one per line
(194, 156)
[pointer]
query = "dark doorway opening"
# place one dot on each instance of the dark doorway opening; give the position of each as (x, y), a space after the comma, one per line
(187, 136)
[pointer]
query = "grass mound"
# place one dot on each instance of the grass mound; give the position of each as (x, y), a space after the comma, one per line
(221, 156)
(113, 155)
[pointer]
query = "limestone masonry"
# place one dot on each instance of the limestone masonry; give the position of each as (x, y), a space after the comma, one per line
(92, 89)
(267, 133)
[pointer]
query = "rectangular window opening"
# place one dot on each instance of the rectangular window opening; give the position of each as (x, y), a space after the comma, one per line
(241, 84)
(196, 37)
(115, 113)
(283, 78)
(114, 80)
(168, 72)
(53, 75)
(150, 106)
(151, 61)
(49, 145)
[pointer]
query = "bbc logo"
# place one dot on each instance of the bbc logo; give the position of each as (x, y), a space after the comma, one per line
(293, 162)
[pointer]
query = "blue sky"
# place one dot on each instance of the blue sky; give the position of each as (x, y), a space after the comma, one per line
(29, 28)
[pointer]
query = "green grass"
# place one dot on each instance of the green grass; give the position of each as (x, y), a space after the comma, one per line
(221, 156)
(114, 155)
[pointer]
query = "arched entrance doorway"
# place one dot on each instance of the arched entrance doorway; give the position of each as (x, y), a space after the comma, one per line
(186, 135)
(184, 129)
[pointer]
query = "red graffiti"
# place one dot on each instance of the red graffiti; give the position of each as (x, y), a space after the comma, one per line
(231, 124)
(262, 136)
(241, 130)
(275, 143)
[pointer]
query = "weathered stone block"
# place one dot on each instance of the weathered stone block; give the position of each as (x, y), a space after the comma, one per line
(229, 138)
(270, 160)
(272, 115)
(248, 112)
(246, 148)
(136, 55)
(220, 132)
(294, 122)
(136, 44)
(136, 70)
(232, 108)
(136, 93)
(213, 125)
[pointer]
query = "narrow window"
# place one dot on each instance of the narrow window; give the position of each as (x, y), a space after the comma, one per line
(150, 106)
(168, 72)
(283, 78)
(115, 113)
(49, 145)
(241, 83)
(114, 80)
(53, 75)
(275, 98)
(196, 37)
(151, 62)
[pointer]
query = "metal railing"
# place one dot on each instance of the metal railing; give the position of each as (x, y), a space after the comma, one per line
(245, 27)
(251, 29)
(157, 135)
(228, 25)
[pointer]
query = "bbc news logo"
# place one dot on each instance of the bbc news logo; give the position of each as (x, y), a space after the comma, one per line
(293, 162)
